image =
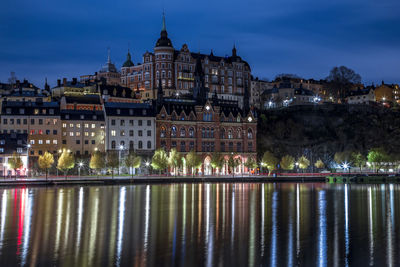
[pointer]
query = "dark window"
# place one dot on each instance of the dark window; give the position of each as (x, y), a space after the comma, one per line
(113, 122)
(130, 145)
(149, 144)
(148, 133)
(183, 146)
(78, 142)
(230, 146)
(78, 152)
(148, 122)
(130, 122)
(86, 152)
(113, 144)
(55, 132)
(163, 144)
(239, 147)
(191, 145)
(140, 122)
(40, 152)
(40, 121)
(86, 142)
(173, 144)
(140, 144)
(4, 121)
(93, 142)
(48, 132)
(32, 152)
(64, 142)
(122, 122)
(222, 146)
(32, 121)
(250, 147)
(18, 121)
(130, 132)
(25, 121)
(140, 133)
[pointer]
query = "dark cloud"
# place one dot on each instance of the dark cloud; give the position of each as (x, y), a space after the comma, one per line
(68, 38)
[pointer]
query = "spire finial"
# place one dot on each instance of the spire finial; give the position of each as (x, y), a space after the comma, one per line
(164, 28)
(108, 55)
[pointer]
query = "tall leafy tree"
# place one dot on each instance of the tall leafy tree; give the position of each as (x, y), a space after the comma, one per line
(112, 161)
(269, 161)
(304, 163)
(251, 163)
(174, 160)
(217, 161)
(319, 164)
(15, 162)
(159, 160)
(66, 162)
(344, 156)
(46, 161)
(193, 161)
(97, 161)
(233, 162)
(377, 157)
(287, 163)
(358, 159)
(341, 79)
(133, 161)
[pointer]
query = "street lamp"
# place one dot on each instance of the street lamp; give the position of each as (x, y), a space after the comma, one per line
(80, 164)
(147, 166)
(119, 157)
(27, 157)
(345, 166)
(297, 166)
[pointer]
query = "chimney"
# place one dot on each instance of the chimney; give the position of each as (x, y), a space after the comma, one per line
(64, 81)
(58, 82)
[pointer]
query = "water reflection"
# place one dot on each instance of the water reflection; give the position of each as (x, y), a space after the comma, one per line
(201, 224)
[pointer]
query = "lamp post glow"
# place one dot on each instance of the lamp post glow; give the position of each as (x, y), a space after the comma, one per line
(345, 166)
(27, 163)
(119, 157)
(80, 164)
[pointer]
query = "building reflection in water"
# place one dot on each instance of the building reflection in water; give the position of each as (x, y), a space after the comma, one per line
(201, 224)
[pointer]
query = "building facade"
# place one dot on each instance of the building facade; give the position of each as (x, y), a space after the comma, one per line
(130, 127)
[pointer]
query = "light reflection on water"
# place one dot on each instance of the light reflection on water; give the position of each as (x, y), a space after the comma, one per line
(246, 224)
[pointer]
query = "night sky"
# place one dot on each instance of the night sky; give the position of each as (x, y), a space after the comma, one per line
(56, 39)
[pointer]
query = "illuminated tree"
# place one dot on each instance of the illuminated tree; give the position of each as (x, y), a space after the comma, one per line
(250, 163)
(217, 161)
(174, 160)
(340, 157)
(15, 162)
(269, 161)
(377, 157)
(97, 161)
(159, 160)
(45, 162)
(112, 161)
(287, 163)
(303, 162)
(319, 164)
(193, 161)
(358, 160)
(66, 162)
(233, 162)
(133, 161)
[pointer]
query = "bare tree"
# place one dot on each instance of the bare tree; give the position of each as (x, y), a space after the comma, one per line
(340, 80)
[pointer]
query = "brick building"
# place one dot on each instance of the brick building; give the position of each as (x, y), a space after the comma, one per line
(206, 125)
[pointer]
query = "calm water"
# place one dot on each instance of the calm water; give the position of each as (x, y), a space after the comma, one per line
(201, 224)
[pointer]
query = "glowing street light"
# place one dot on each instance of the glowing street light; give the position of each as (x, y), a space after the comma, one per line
(80, 165)
(346, 165)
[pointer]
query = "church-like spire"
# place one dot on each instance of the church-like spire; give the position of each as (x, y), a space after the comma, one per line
(163, 40)
(108, 55)
(164, 28)
(234, 51)
(128, 62)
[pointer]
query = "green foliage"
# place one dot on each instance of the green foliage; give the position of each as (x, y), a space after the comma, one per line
(97, 161)
(250, 163)
(358, 159)
(193, 161)
(45, 161)
(345, 156)
(66, 161)
(133, 160)
(303, 162)
(15, 161)
(319, 164)
(269, 161)
(377, 157)
(174, 159)
(217, 161)
(233, 162)
(159, 160)
(287, 163)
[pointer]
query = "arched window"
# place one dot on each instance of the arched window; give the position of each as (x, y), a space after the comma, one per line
(249, 134)
(173, 131)
(208, 133)
(130, 145)
(113, 144)
(140, 144)
(222, 133)
(183, 132)
(163, 132)
(203, 132)
(212, 133)
(122, 144)
(230, 135)
(239, 135)
(149, 144)
(191, 132)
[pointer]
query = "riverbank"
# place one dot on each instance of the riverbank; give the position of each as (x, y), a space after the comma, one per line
(152, 180)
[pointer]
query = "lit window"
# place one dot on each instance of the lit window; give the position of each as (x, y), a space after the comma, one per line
(78, 125)
(93, 134)
(64, 125)
(71, 125)
(113, 133)
(78, 133)
(86, 125)
(71, 133)
(86, 133)
(40, 142)
(93, 125)
(32, 142)
(47, 142)
(54, 142)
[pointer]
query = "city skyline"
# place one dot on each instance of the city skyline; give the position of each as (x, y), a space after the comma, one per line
(41, 44)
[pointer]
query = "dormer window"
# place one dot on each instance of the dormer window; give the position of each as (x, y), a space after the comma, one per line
(82, 117)
(118, 111)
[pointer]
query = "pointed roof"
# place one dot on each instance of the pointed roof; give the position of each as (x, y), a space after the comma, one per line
(108, 67)
(128, 62)
(163, 40)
